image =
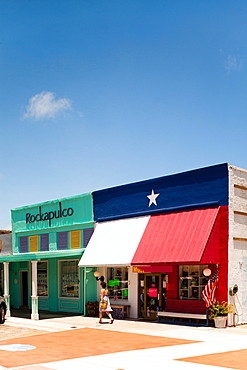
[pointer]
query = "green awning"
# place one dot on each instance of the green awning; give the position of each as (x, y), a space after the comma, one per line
(73, 253)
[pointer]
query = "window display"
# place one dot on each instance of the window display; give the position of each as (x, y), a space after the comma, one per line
(69, 278)
(192, 281)
(117, 282)
(42, 279)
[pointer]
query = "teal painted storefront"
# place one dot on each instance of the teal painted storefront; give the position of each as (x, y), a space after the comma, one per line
(48, 241)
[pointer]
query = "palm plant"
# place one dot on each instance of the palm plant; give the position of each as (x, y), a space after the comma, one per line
(220, 309)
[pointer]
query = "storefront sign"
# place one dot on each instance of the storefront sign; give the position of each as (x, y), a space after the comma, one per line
(48, 216)
(151, 269)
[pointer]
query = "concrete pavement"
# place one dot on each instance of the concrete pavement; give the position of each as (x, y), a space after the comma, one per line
(124, 345)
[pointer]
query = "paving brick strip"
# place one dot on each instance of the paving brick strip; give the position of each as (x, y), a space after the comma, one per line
(77, 342)
(232, 359)
(69, 344)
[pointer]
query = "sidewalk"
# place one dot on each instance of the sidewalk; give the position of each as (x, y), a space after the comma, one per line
(82, 343)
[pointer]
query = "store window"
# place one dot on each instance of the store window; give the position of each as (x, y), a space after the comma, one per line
(191, 281)
(69, 278)
(117, 282)
(42, 279)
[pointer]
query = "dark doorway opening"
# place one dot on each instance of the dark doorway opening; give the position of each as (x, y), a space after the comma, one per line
(24, 289)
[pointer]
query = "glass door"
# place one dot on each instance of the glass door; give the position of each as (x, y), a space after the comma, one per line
(154, 294)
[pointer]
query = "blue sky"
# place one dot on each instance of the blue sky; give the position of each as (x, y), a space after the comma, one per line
(100, 93)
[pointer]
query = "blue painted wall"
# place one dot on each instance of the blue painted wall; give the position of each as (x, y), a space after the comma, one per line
(187, 190)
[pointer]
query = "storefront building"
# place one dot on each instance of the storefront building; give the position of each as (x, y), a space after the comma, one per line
(153, 239)
(48, 241)
(5, 252)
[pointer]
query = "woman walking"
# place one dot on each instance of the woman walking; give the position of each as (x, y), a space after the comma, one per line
(104, 298)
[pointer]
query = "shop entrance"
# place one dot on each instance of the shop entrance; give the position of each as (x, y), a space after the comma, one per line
(152, 288)
(24, 288)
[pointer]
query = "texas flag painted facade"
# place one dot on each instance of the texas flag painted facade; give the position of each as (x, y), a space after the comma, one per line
(188, 219)
(201, 188)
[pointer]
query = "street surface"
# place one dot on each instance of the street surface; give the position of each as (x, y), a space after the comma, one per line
(82, 343)
(10, 331)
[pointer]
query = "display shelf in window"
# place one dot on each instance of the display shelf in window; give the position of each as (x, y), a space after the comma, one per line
(191, 281)
(70, 286)
(117, 283)
(42, 279)
(69, 278)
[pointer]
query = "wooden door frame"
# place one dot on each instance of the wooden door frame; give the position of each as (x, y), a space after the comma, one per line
(145, 291)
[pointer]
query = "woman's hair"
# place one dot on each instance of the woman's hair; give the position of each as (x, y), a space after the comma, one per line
(103, 284)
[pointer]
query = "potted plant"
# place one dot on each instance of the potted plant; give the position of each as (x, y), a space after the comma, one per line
(219, 311)
(92, 308)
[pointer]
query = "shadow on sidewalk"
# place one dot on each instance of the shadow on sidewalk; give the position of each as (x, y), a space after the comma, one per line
(26, 314)
(43, 315)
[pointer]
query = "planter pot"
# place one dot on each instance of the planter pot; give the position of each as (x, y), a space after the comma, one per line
(92, 312)
(220, 321)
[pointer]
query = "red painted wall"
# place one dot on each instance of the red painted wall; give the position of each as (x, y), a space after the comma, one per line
(215, 253)
(173, 284)
(183, 305)
(222, 294)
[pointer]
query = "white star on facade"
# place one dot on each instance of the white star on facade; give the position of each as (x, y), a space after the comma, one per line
(152, 198)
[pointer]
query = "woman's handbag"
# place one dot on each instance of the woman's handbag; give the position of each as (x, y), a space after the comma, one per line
(102, 305)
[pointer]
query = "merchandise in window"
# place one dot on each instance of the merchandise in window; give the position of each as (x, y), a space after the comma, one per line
(69, 278)
(42, 279)
(191, 281)
(117, 282)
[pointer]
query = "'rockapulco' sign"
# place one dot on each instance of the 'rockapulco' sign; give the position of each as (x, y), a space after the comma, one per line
(48, 216)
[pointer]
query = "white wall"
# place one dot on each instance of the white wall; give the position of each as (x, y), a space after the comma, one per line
(132, 294)
(237, 265)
